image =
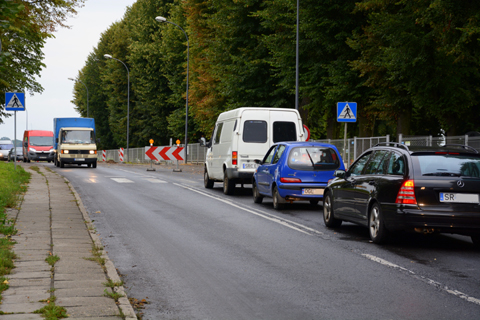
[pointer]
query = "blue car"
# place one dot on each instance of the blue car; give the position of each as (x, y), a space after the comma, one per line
(295, 171)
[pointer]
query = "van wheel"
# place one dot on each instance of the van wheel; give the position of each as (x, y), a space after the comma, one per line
(277, 205)
(257, 197)
(94, 164)
(62, 165)
(207, 182)
(228, 185)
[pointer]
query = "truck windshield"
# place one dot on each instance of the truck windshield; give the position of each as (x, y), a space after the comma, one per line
(78, 136)
(41, 141)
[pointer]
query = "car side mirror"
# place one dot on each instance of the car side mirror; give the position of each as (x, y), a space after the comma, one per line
(26, 144)
(208, 144)
(257, 161)
(340, 174)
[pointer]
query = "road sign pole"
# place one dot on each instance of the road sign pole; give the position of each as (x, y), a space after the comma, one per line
(345, 142)
(14, 140)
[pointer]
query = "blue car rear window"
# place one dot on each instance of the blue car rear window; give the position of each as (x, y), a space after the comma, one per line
(313, 158)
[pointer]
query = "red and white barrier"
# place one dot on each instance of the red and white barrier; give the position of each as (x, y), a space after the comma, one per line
(120, 154)
(104, 155)
(164, 153)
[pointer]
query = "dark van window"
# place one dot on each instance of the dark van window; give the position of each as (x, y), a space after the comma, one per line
(284, 131)
(255, 131)
(218, 133)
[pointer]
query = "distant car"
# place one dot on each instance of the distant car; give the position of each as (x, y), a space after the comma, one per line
(392, 187)
(5, 146)
(19, 151)
(295, 171)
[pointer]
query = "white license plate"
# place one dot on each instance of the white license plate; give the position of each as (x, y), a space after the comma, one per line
(250, 166)
(79, 159)
(308, 191)
(458, 197)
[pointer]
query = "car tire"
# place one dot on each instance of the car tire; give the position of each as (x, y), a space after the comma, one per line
(257, 197)
(94, 164)
(228, 185)
(89, 165)
(329, 214)
(207, 182)
(476, 241)
(314, 202)
(376, 226)
(277, 205)
(62, 165)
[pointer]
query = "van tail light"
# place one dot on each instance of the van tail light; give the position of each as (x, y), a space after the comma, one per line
(234, 157)
(406, 195)
(290, 180)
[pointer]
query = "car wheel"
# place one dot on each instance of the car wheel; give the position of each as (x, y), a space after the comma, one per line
(228, 185)
(207, 182)
(89, 165)
(94, 164)
(313, 202)
(476, 241)
(328, 213)
(277, 205)
(62, 165)
(257, 197)
(376, 226)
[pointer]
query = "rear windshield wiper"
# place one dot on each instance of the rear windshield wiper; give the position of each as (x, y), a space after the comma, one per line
(311, 160)
(447, 174)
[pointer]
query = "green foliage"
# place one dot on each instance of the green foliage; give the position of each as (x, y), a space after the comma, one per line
(412, 67)
(24, 28)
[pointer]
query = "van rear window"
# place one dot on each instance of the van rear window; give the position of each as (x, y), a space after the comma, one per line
(284, 131)
(255, 131)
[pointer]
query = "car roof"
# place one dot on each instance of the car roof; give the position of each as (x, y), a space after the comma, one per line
(305, 144)
(417, 149)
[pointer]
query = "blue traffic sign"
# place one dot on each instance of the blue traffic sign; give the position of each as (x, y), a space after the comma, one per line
(346, 111)
(14, 101)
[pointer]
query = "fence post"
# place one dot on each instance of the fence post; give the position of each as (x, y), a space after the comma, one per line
(400, 136)
(388, 138)
(354, 147)
(430, 141)
(466, 140)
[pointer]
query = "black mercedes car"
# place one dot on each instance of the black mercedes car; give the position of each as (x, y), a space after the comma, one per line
(393, 187)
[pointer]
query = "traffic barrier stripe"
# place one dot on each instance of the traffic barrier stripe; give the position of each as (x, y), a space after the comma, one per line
(164, 153)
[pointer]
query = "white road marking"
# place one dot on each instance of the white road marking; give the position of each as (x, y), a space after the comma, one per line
(156, 181)
(428, 281)
(122, 180)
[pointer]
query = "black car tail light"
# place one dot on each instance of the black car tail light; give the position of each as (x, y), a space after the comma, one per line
(406, 194)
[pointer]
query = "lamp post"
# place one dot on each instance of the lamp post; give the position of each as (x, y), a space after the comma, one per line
(107, 56)
(162, 19)
(296, 57)
(85, 88)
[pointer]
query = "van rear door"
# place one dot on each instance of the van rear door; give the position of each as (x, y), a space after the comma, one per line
(285, 126)
(253, 139)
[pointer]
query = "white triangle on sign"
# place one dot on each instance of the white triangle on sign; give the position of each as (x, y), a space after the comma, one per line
(15, 103)
(346, 113)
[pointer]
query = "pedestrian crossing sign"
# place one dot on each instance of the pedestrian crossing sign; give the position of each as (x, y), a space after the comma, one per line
(14, 101)
(346, 112)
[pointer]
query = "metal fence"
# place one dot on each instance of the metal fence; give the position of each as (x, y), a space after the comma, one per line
(355, 147)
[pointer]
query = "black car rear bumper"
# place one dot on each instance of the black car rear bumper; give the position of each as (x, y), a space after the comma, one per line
(409, 219)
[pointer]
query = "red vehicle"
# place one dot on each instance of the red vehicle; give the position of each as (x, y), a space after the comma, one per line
(38, 146)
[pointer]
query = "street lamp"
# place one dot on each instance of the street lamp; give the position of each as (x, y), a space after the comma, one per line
(107, 56)
(162, 19)
(85, 88)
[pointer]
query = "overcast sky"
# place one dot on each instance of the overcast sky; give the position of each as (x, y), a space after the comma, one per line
(65, 55)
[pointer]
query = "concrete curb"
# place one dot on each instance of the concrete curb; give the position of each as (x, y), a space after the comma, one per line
(110, 269)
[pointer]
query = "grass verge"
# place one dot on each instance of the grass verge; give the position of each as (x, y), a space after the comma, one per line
(13, 183)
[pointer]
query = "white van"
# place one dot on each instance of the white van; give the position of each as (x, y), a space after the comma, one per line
(243, 135)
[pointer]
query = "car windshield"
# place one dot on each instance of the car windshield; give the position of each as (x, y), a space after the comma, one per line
(460, 165)
(313, 158)
(6, 146)
(78, 136)
(41, 141)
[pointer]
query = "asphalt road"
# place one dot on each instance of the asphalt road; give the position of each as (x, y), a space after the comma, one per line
(195, 253)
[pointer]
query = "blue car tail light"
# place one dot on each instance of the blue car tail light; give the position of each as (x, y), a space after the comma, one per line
(290, 180)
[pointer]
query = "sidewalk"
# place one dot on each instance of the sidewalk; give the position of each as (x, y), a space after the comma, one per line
(52, 221)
